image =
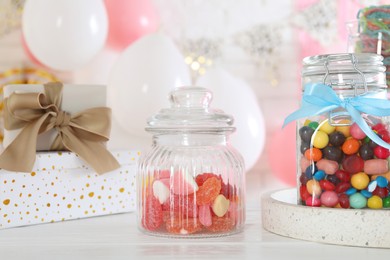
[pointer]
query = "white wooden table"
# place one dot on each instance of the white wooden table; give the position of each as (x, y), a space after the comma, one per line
(117, 237)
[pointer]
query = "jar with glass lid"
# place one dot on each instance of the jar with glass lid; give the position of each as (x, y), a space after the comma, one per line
(191, 183)
(343, 132)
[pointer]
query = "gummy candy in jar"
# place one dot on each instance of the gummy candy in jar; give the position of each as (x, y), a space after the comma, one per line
(191, 183)
(343, 132)
(370, 33)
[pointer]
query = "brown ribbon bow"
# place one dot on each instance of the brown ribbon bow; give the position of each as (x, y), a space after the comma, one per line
(84, 133)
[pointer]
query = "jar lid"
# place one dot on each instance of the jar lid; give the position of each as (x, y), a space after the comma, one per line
(190, 112)
(343, 63)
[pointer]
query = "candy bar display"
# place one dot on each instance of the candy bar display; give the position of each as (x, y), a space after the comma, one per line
(191, 183)
(343, 132)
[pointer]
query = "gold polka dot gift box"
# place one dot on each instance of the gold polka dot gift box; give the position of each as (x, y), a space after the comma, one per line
(62, 187)
(73, 175)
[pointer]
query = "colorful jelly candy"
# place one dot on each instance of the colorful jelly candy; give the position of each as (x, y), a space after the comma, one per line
(360, 180)
(381, 152)
(208, 191)
(353, 164)
(201, 178)
(328, 166)
(357, 201)
(336, 138)
(376, 166)
(350, 146)
(329, 199)
(161, 190)
(183, 183)
(333, 153)
(356, 132)
(366, 152)
(220, 205)
(313, 187)
(183, 226)
(313, 154)
(152, 215)
(326, 127)
(321, 139)
(221, 224)
(375, 202)
(180, 204)
(342, 167)
(306, 133)
(205, 217)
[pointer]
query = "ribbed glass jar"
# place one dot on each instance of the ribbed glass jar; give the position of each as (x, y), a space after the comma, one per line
(191, 183)
(343, 139)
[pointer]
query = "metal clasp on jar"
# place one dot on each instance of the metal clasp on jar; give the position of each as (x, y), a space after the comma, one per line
(339, 116)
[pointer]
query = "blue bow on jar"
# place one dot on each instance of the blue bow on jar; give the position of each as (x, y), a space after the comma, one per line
(320, 98)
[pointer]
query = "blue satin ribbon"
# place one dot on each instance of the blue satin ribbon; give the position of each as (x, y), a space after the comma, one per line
(320, 98)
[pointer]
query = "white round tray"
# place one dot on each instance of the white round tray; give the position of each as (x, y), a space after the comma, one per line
(364, 227)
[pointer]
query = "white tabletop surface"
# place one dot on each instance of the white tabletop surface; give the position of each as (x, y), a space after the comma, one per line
(117, 237)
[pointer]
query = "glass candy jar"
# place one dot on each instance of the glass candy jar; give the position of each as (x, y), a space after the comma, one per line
(343, 132)
(191, 183)
(371, 33)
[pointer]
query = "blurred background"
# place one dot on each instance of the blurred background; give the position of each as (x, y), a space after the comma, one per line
(247, 52)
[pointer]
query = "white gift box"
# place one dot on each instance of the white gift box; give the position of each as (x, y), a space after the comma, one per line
(62, 187)
(75, 98)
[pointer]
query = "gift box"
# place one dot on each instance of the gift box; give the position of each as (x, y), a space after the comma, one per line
(56, 117)
(62, 186)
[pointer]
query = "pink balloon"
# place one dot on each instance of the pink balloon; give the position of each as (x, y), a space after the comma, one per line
(282, 155)
(129, 20)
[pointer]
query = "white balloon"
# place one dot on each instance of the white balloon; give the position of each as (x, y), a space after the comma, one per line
(98, 69)
(235, 97)
(141, 79)
(64, 34)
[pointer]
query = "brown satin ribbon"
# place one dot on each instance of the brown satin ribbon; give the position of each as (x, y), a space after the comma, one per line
(83, 133)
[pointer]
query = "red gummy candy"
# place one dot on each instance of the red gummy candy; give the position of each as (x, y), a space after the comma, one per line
(162, 174)
(228, 190)
(152, 215)
(208, 191)
(181, 205)
(353, 164)
(183, 226)
(201, 178)
(221, 224)
(185, 205)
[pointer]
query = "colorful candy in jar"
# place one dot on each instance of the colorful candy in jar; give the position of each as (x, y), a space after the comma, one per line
(341, 167)
(374, 34)
(181, 204)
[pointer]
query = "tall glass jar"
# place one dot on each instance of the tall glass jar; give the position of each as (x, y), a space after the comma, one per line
(343, 132)
(191, 183)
